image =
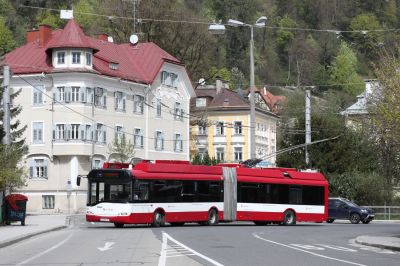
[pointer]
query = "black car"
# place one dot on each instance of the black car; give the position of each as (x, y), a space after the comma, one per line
(340, 208)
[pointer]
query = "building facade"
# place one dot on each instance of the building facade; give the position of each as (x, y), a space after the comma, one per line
(78, 94)
(220, 125)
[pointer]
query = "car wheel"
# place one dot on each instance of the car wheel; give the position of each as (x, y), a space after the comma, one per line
(330, 221)
(289, 218)
(366, 222)
(158, 219)
(354, 218)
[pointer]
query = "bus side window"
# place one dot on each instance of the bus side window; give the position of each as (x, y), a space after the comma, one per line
(141, 191)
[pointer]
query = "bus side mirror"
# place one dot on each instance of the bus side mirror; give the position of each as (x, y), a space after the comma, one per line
(78, 180)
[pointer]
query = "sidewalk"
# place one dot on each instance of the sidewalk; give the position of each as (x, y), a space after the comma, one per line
(34, 225)
(392, 243)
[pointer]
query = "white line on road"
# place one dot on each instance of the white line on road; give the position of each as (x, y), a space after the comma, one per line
(163, 256)
(107, 246)
(306, 251)
(46, 251)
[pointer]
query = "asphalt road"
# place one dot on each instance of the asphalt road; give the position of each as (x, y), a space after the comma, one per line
(224, 244)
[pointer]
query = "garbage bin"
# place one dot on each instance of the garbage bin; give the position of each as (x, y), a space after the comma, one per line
(15, 208)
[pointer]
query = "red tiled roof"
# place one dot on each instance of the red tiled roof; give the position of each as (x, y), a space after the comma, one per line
(140, 63)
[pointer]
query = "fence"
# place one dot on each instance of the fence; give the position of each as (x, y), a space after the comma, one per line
(386, 212)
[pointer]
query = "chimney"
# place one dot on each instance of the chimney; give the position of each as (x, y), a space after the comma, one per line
(218, 84)
(32, 35)
(44, 34)
(102, 37)
(265, 91)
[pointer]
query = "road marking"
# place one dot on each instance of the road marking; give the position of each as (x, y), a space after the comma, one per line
(306, 251)
(186, 251)
(337, 248)
(46, 251)
(311, 247)
(107, 246)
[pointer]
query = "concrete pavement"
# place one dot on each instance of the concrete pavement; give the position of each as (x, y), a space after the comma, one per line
(36, 224)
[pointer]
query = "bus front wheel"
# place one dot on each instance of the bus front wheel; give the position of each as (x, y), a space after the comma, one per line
(158, 219)
(289, 218)
(212, 217)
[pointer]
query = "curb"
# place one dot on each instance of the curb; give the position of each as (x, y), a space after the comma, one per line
(16, 240)
(365, 243)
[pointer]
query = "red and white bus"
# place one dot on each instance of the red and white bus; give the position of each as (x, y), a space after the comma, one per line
(178, 192)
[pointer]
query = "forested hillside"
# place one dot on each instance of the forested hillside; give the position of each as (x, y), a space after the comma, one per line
(329, 46)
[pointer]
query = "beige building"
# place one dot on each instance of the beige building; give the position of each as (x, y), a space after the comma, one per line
(220, 124)
(78, 94)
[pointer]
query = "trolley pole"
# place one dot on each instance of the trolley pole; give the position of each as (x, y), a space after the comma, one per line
(308, 124)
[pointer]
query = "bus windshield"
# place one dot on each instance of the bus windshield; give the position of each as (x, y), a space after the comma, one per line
(109, 186)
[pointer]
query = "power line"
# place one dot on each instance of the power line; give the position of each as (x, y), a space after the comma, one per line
(335, 31)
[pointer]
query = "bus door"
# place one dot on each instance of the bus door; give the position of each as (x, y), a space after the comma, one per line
(230, 193)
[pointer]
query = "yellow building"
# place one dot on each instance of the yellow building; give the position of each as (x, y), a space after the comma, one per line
(220, 120)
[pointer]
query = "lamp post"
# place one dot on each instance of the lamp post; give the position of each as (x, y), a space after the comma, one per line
(220, 29)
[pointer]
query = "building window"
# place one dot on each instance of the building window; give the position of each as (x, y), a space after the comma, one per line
(159, 140)
(75, 94)
(37, 132)
(74, 131)
(48, 201)
(120, 101)
(38, 168)
(238, 128)
(178, 111)
(97, 164)
(138, 138)
(202, 130)
(159, 104)
(202, 152)
(119, 133)
(76, 57)
(100, 99)
(169, 79)
(174, 80)
(88, 59)
(60, 58)
(220, 128)
(38, 92)
(138, 102)
(59, 132)
(201, 102)
(178, 143)
(238, 153)
(220, 154)
(101, 133)
(113, 66)
(60, 94)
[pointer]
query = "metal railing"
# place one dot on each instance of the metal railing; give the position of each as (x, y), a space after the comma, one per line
(386, 212)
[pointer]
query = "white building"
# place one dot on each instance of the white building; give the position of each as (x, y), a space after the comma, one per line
(79, 93)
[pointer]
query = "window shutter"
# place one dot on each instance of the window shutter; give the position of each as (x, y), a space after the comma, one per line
(83, 96)
(124, 102)
(35, 136)
(56, 95)
(83, 133)
(104, 135)
(31, 168)
(40, 134)
(69, 128)
(40, 97)
(104, 100)
(89, 95)
(155, 140)
(45, 165)
(116, 100)
(35, 96)
(54, 132)
(162, 141)
(67, 94)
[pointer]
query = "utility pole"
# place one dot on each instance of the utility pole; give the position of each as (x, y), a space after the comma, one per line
(252, 100)
(308, 124)
(6, 106)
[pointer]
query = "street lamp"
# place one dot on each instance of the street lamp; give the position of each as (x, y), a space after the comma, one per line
(220, 29)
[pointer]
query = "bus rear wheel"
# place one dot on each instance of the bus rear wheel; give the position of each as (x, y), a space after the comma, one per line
(158, 219)
(289, 218)
(212, 217)
(118, 225)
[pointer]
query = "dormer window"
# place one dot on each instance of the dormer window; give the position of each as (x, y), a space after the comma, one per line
(76, 57)
(88, 59)
(113, 66)
(60, 58)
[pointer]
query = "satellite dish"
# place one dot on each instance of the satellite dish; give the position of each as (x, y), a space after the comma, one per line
(110, 39)
(133, 39)
(202, 81)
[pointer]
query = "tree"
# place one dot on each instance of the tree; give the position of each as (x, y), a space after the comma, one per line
(7, 42)
(121, 150)
(343, 72)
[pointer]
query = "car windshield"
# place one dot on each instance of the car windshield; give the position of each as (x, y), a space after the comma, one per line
(351, 204)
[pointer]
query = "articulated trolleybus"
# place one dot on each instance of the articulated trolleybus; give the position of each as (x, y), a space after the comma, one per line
(178, 192)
